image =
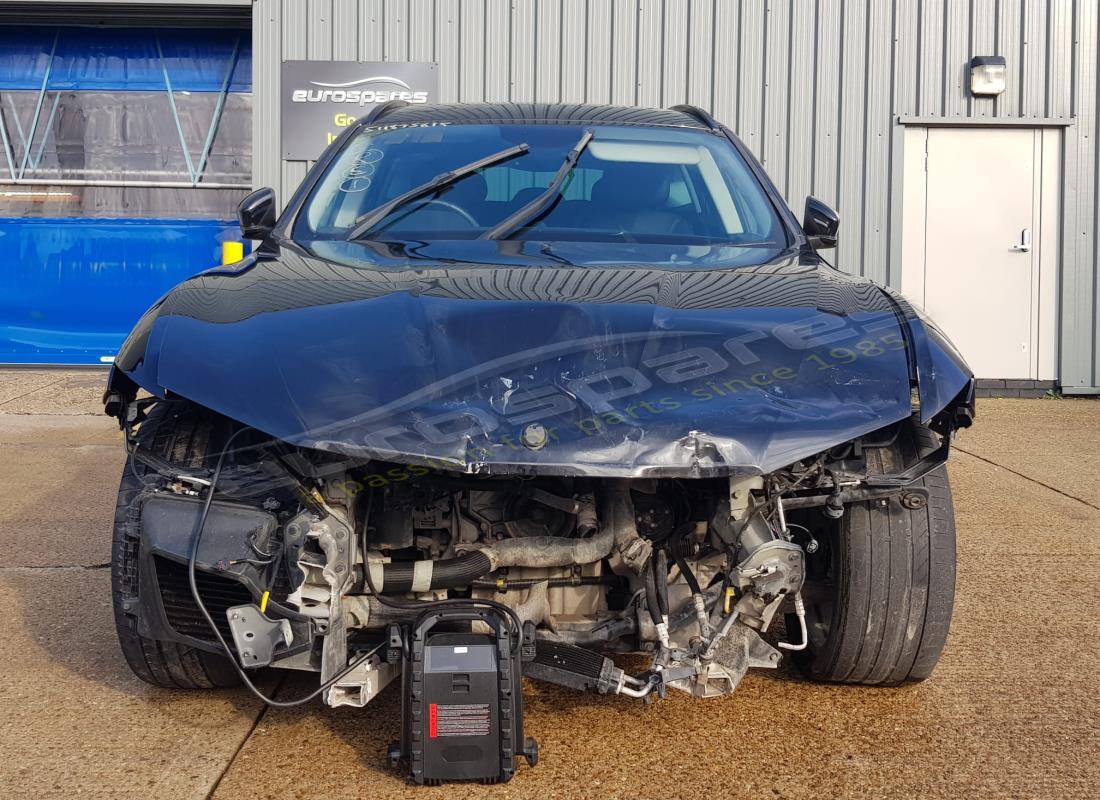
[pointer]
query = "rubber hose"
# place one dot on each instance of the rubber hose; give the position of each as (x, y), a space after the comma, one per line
(533, 551)
(449, 573)
(685, 570)
(652, 603)
(550, 551)
(660, 578)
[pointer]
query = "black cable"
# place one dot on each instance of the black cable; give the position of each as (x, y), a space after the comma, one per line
(210, 620)
(268, 557)
(132, 448)
(282, 610)
(748, 521)
(163, 468)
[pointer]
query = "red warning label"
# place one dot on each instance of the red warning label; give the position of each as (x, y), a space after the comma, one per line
(462, 719)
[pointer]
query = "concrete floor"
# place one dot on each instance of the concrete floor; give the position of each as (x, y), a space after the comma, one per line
(1012, 710)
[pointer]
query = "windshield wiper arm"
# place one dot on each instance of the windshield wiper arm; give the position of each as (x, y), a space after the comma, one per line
(366, 221)
(541, 203)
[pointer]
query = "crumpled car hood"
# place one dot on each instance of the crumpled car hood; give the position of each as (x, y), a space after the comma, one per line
(553, 369)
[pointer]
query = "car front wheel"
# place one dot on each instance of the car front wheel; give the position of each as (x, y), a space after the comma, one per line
(180, 435)
(880, 588)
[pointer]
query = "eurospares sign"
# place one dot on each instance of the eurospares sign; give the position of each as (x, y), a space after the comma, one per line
(321, 98)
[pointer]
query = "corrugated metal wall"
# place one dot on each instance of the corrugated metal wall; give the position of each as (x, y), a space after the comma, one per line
(814, 87)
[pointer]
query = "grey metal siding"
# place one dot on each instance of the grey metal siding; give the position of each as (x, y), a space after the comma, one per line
(814, 87)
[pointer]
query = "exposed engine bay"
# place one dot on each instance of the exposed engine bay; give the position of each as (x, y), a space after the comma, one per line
(314, 563)
(618, 565)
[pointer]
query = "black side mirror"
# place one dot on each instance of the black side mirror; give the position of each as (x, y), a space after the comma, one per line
(820, 224)
(256, 214)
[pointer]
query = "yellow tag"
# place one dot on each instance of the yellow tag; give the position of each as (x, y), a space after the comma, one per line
(263, 602)
(232, 252)
(729, 596)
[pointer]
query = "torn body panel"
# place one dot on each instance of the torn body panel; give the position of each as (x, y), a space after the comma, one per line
(627, 371)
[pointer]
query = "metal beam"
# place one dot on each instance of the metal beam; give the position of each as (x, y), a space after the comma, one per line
(175, 112)
(130, 184)
(37, 160)
(38, 105)
(986, 122)
(216, 118)
(7, 143)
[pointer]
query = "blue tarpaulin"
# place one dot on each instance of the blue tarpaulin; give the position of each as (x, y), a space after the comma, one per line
(122, 59)
(71, 289)
(80, 261)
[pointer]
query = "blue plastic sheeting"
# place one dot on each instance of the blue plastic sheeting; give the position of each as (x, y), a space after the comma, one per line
(123, 59)
(71, 289)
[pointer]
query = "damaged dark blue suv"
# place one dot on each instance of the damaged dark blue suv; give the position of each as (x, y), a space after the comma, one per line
(575, 366)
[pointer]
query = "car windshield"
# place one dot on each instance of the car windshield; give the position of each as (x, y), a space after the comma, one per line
(633, 184)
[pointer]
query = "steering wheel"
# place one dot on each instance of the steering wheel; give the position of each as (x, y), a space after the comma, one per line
(452, 208)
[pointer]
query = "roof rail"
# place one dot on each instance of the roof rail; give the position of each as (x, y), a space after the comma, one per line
(697, 113)
(378, 112)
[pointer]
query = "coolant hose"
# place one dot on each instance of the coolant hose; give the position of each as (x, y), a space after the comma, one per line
(549, 551)
(651, 601)
(617, 513)
(660, 578)
(423, 576)
(481, 559)
(593, 543)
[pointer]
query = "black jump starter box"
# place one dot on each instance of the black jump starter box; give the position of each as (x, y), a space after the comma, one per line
(462, 702)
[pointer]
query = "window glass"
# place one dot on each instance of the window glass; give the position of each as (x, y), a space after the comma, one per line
(88, 126)
(630, 184)
(99, 136)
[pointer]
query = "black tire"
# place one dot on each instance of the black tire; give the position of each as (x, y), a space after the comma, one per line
(880, 590)
(180, 434)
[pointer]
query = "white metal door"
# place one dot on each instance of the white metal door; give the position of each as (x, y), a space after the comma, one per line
(981, 240)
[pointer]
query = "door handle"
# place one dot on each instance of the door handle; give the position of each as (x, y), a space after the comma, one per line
(1025, 241)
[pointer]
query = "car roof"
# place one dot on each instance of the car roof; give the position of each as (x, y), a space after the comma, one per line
(540, 114)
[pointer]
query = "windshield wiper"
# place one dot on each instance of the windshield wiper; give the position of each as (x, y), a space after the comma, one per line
(366, 221)
(540, 204)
